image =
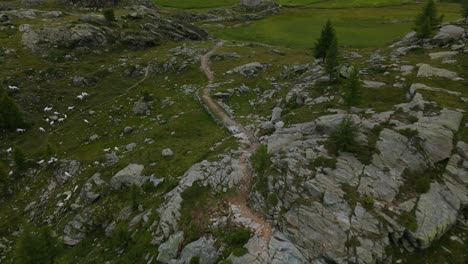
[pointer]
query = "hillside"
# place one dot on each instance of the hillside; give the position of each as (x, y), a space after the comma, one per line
(206, 132)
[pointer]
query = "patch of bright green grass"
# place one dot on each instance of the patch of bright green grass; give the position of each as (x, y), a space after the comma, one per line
(196, 3)
(359, 28)
(344, 3)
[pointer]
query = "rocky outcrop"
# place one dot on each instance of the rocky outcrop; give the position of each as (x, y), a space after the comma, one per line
(426, 70)
(95, 32)
(449, 33)
(343, 216)
(220, 175)
(128, 176)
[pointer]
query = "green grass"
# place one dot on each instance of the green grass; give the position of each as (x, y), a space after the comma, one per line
(344, 3)
(189, 4)
(358, 28)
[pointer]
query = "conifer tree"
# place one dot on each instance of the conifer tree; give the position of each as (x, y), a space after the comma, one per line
(325, 40)
(332, 59)
(352, 88)
(10, 115)
(37, 246)
(464, 10)
(427, 20)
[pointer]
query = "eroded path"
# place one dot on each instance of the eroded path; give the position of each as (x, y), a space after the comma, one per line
(238, 202)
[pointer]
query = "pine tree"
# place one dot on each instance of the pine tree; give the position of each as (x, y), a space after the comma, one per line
(37, 246)
(19, 159)
(464, 10)
(427, 20)
(10, 115)
(345, 135)
(4, 180)
(352, 88)
(332, 59)
(325, 40)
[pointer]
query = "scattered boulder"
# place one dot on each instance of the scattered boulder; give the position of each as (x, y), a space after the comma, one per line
(426, 70)
(140, 108)
(128, 176)
(448, 33)
(202, 248)
(169, 249)
(373, 84)
(276, 115)
(167, 152)
(249, 70)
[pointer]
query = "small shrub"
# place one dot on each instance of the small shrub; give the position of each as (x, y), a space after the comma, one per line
(261, 160)
(195, 260)
(409, 133)
(37, 245)
(273, 199)
(367, 202)
(136, 195)
(344, 139)
(146, 96)
(350, 195)
(352, 89)
(10, 114)
(4, 182)
(415, 182)
(109, 15)
(20, 160)
(121, 237)
(408, 220)
(352, 242)
(324, 162)
(195, 209)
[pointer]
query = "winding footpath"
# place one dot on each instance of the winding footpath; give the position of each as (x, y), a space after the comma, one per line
(238, 202)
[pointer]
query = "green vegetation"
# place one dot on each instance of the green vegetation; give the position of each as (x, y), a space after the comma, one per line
(415, 182)
(4, 180)
(409, 133)
(352, 88)
(195, 210)
(109, 15)
(261, 160)
(326, 39)
(121, 238)
(37, 246)
(10, 114)
(324, 162)
(136, 195)
(344, 138)
(357, 28)
(344, 3)
(234, 237)
(196, 3)
(408, 220)
(427, 20)
(464, 10)
(332, 60)
(19, 159)
(367, 202)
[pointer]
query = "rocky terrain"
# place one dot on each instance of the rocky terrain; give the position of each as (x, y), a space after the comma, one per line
(147, 139)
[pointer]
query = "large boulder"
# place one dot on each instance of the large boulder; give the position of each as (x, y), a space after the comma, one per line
(203, 249)
(169, 249)
(448, 34)
(68, 36)
(426, 70)
(329, 123)
(436, 212)
(128, 176)
(249, 70)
